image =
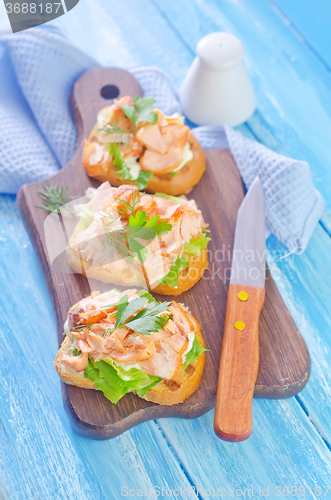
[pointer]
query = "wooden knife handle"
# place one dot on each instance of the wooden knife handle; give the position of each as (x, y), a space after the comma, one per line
(239, 363)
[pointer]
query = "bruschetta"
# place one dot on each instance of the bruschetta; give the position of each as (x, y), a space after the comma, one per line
(135, 143)
(120, 342)
(130, 238)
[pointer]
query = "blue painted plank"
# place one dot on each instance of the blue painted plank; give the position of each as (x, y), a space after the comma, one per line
(283, 451)
(311, 22)
(304, 283)
(126, 33)
(293, 87)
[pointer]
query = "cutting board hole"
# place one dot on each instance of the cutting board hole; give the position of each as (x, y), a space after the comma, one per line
(110, 92)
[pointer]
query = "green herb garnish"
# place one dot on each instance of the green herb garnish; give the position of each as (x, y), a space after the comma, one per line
(113, 128)
(78, 328)
(116, 242)
(142, 111)
(125, 241)
(125, 207)
(141, 317)
(140, 227)
(54, 197)
(76, 352)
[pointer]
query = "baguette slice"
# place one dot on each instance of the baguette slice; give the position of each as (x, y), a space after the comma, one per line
(127, 272)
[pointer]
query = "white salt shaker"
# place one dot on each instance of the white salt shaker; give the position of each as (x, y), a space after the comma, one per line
(217, 89)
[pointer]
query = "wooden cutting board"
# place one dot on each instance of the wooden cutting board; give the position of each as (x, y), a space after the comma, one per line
(284, 359)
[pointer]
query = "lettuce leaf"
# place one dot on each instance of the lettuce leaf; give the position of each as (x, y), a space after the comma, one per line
(115, 382)
(118, 160)
(194, 353)
(173, 275)
(123, 169)
(195, 247)
(143, 179)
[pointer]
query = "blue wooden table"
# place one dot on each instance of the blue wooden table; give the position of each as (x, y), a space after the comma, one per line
(287, 45)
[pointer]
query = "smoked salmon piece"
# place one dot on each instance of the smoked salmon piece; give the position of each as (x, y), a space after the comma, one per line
(159, 163)
(151, 137)
(175, 136)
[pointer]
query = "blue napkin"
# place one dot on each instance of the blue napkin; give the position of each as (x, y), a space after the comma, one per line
(38, 136)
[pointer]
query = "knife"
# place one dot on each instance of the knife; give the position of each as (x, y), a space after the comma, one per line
(240, 347)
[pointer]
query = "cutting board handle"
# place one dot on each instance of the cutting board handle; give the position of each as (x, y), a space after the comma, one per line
(239, 363)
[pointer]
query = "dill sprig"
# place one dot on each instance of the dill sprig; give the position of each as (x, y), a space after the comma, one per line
(141, 111)
(78, 328)
(126, 208)
(115, 239)
(127, 241)
(54, 197)
(113, 128)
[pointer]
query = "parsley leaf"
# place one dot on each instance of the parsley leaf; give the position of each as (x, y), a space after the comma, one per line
(142, 111)
(125, 241)
(146, 320)
(140, 228)
(144, 107)
(126, 309)
(130, 112)
(141, 317)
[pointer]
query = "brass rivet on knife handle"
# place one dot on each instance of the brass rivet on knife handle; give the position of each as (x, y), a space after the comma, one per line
(239, 366)
(243, 295)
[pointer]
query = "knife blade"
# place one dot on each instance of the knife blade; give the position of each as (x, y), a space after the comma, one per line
(240, 347)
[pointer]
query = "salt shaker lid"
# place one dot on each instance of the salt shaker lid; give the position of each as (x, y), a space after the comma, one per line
(219, 50)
